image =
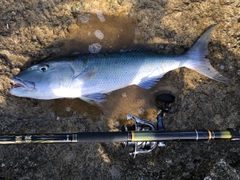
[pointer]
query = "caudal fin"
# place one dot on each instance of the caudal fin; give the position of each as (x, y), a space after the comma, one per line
(197, 61)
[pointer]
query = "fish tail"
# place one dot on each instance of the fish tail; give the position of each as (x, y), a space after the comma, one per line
(197, 57)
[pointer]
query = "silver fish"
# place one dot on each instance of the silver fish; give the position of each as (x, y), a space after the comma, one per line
(91, 76)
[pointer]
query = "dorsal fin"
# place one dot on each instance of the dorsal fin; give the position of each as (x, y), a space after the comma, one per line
(137, 49)
(128, 49)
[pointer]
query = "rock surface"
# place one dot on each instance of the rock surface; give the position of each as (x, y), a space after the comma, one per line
(34, 31)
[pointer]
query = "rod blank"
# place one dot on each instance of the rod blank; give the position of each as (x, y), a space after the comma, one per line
(131, 136)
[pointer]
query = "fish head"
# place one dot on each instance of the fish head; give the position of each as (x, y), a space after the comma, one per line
(42, 80)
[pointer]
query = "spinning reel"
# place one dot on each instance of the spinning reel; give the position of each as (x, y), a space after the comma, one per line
(146, 125)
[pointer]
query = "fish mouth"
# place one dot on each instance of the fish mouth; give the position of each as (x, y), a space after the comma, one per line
(19, 83)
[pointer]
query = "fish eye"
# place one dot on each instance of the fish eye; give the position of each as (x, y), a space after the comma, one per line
(44, 68)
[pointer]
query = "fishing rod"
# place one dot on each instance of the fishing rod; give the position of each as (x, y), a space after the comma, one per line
(143, 136)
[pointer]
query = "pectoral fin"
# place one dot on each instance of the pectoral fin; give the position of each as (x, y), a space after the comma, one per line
(86, 74)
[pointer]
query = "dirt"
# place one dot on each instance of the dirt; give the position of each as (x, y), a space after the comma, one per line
(35, 31)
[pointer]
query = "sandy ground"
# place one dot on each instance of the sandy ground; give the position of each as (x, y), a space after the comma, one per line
(34, 31)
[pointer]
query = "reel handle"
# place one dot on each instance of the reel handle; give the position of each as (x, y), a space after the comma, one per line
(165, 98)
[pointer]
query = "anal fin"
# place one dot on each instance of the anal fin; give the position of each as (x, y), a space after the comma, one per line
(96, 97)
(147, 82)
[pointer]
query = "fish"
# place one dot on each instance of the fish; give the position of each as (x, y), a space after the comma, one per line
(91, 77)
